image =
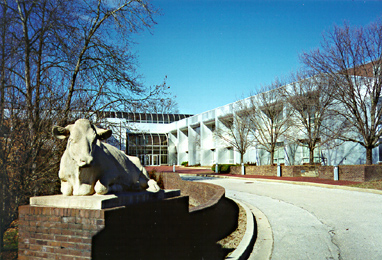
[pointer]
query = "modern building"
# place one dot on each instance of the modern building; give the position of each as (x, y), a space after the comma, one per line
(144, 135)
(168, 139)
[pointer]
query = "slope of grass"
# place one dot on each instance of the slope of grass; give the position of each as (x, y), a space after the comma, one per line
(376, 185)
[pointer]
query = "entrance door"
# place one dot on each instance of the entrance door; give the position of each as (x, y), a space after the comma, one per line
(155, 160)
(147, 159)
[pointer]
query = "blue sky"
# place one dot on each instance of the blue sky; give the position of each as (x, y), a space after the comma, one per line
(215, 52)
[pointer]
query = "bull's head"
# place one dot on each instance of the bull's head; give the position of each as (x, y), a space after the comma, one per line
(82, 137)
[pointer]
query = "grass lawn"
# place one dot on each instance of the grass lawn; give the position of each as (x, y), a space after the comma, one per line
(376, 185)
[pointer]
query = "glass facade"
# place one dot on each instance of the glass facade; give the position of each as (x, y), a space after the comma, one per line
(151, 149)
(143, 117)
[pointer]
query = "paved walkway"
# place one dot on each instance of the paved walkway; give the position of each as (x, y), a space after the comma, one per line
(310, 222)
(208, 171)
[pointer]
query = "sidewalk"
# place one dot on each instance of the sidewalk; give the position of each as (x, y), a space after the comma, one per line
(208, 171)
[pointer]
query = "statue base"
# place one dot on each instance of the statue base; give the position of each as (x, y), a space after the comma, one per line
(102, 201)
(125, 226)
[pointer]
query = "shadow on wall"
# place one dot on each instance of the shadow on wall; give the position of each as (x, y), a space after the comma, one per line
(167, 230)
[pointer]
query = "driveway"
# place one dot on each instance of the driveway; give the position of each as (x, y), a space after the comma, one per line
(313, 222)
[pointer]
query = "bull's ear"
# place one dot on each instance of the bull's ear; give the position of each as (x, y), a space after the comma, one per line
(60, 132)
(103, 134)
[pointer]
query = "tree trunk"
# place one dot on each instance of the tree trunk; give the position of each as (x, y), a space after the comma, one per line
(311, 156)
(272, 157)
(1, 213)
(369, 156)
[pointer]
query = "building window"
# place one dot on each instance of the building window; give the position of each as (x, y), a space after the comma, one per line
(150, 148)
(279, 155)
(305, 154)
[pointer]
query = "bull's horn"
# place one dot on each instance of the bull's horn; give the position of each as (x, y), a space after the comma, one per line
(60, 132)
(103, 134)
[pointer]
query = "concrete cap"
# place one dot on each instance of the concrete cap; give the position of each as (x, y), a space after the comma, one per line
(102, 201)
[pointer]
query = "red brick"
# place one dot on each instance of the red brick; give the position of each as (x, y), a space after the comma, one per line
(47, 236)
(99, 214)
(47, 211)
(48, 249)
(72, 213)
(86, 240)
(34, 247)
(68, 244)
(41, 242)
(84, 213)
(57, 211)
(75, 252)
(68, 220)
(41, 254)
(86, 247)
(55, 218)
(89, 227)
(23, 246)
(52, 256)
(74, 239)
(60, 238)
(24, 210)
(53, 243)
(22, 257)
(48, 224)
(68, 232)
(63, 225)
(75, 226)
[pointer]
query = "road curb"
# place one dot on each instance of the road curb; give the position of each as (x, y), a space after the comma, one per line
(246, 244)
(261, 249)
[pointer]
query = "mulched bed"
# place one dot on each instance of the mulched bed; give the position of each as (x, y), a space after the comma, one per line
(232, 241)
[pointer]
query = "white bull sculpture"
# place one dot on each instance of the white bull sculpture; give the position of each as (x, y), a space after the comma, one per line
(89, 166)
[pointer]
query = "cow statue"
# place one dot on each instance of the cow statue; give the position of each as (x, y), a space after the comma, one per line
(90, 166)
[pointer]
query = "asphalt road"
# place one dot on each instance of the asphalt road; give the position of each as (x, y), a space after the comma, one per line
(313, 222)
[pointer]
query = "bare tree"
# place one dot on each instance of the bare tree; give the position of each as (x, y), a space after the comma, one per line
(164, 104)
(61, 60)
(100, 67)
(351, 58)
(313, 107)
(234, 130)
(270, 117)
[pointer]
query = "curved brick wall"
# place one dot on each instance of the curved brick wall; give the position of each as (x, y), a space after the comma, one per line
(168, 228)
(202, 195)
(212, 214)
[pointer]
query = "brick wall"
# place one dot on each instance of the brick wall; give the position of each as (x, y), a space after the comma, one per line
(57, 233)
(326, 172)
(357, 173)
(203, 195)
(373, 172)
(264, 170)
(154, 230)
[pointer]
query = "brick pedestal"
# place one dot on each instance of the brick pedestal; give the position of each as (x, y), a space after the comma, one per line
(58, 233)
(126, 226)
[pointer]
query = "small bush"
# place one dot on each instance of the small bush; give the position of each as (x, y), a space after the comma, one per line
(11, 237)
(222, 168)
(184, 164)
(214, 166)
